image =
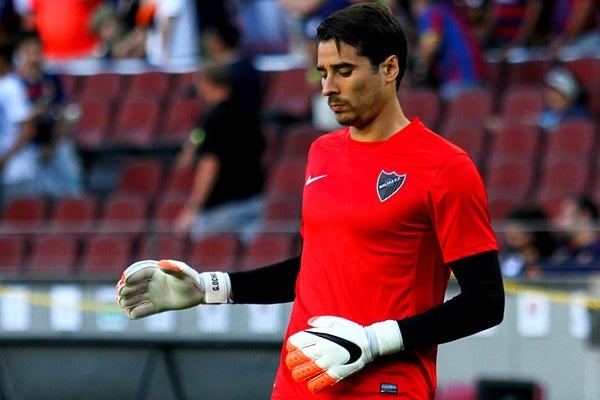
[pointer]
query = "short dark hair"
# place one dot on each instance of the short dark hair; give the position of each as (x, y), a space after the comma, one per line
(227, 31)
(372, 29)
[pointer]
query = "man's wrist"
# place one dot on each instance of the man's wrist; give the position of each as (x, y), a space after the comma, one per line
(216, 287)
(385, 337)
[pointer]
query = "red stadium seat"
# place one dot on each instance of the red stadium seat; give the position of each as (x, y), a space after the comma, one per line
(123, 215)
(515, 142)
(219, 251)
(181, 116)
(288, 95)
(422, 103)
(53, 255)
(25, 215)
(105, 86)
(508, 183)
(76, 214)
(287, 177)
(12, 254)
(141, 177)
(267, 248)
(586, 70)
(297, 140)
(512, 178)
(472, 106)
(162, 246)
(135, 123)
(166, 209)
(572, 138)
(562, 177)
(91, 130)
(522, 104)
(282, 213)
(105, 255)
(529, 72)
(153, 84)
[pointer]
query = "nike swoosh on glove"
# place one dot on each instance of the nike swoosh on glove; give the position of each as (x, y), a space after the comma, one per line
(335, 348)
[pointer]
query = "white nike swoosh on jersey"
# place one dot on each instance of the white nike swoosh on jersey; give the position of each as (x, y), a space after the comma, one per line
(311, 179)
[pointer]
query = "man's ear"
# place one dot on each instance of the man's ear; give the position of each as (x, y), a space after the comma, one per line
(391, 68)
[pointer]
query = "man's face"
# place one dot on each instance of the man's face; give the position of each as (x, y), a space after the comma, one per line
(352, 86)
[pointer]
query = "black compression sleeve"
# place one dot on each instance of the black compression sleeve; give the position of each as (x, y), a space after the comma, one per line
(480, 305)
(272, 284)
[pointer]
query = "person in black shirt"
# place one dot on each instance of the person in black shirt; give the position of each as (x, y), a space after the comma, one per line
(229, 177)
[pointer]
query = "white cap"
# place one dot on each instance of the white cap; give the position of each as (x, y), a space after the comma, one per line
(563, 80)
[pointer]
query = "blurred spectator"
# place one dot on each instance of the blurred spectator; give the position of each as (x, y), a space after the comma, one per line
(228, 185)
(447, 55)
(59, 171)
(113, 32)
(18, 157)
(221, 43)
(511, 24)
(10, 21)
(64, 28)
(578, 232)
(564, 99)
(171, 32)
(574, 28)
(528, 242)
(264, 26)
(309, 14)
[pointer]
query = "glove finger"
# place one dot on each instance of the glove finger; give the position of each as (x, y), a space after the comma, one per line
(177, 269)
(141, 310)
(300, 340)
(139, 271)
(320, 382)
(302, 367)
(131, 301)
(132, 289)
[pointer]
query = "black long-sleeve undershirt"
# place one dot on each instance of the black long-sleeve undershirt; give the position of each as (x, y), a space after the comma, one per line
(271, 284)
(478, 306)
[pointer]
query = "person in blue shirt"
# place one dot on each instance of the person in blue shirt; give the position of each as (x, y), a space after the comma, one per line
(60, 171)
(564, 99)
(579, 251)
(448, 55)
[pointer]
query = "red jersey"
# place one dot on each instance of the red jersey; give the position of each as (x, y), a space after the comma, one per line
(380, 223)
(64, 27)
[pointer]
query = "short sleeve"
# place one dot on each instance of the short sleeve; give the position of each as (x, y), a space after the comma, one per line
(459, 209)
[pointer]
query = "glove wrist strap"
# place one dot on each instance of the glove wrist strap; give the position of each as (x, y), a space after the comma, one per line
(216, 286)
(387, 337)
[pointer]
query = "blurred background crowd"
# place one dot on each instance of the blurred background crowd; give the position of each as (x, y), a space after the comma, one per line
(179, 128)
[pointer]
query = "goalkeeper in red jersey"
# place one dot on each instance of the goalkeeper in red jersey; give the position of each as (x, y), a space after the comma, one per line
(390, 209)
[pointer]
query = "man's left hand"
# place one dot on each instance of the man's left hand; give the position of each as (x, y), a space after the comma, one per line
(335, 348)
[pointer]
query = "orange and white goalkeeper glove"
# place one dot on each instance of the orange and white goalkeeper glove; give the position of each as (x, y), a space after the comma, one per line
(335, 348)
(148, 287)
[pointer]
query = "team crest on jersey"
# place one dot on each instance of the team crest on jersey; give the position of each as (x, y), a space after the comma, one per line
(388, 184)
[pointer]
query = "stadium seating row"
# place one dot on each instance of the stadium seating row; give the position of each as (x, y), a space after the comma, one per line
(62, 255)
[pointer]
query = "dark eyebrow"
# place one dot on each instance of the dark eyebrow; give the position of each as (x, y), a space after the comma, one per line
(336, 67)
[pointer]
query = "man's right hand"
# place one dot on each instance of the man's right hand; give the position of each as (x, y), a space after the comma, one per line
(148, 287)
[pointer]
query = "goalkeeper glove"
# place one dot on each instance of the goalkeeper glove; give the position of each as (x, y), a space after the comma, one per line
(148, 287)
(336, 348)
